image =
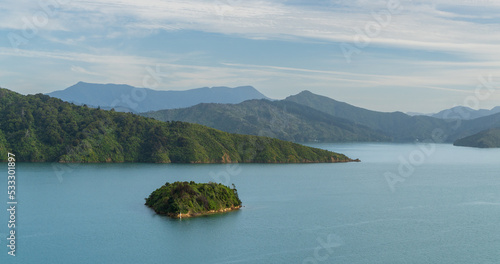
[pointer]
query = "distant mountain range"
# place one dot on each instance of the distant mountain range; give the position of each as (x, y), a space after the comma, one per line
(397, 125)
(461, 112)
(304, 117)
(126, 98)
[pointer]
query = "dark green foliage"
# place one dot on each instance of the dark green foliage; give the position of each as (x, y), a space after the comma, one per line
(4, 148)
(41, 128)
(486, 139)
(193, 198)
(105, 95)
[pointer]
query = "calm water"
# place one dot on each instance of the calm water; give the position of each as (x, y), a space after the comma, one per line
(445, 210)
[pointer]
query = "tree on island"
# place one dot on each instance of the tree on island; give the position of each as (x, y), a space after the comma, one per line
(188, 199)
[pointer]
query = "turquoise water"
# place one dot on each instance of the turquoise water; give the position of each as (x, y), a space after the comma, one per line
(445, 210)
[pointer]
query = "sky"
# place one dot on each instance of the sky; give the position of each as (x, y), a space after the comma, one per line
(392, 55)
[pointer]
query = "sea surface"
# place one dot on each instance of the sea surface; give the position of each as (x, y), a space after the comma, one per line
(404, 203)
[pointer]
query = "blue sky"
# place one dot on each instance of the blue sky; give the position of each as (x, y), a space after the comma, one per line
(390, 55)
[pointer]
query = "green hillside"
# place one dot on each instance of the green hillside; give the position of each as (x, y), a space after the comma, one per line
(308, 117)
(193, 199)
(396, 125)
(278, 119)
(485, 139)
(399, 126)
(470, 127)
(41, 128)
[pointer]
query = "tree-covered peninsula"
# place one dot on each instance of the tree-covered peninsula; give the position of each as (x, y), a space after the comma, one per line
(188, 199)
(39, 128)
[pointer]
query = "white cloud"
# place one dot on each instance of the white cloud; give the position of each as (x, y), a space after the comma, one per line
(420, 24)
(454, 28)
(79, 69)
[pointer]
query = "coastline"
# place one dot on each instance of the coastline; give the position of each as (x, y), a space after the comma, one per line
(331, 160)
(191, 215)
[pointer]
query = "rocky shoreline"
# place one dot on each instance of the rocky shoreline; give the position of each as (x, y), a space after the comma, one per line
(190, 215)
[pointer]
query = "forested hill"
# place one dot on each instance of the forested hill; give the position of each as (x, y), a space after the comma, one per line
(485, 139)
(284, 120)
(42, 128)
(143, 99)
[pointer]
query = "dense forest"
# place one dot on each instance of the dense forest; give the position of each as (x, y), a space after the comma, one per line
(42, 128)
(193, 198)
(284, 120)
(307, 117)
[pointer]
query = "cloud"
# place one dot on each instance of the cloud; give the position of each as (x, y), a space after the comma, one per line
(79, 69)
(421, 25)
(82, 38)
(132, 69)
(424, 80)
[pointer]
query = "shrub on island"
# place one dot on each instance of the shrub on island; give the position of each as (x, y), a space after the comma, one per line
(189, 199)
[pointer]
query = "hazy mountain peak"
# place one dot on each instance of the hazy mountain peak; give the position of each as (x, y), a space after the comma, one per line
(463, 112)
(305, 92)
(127, 98)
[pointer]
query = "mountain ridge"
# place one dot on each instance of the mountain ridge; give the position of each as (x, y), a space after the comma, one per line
(126, 98)
(40, 128)
(460, 112)
(308, 117)
(400, 126)
(279, 119)
(397, 125)
(489, 138)
(465, 113)
(320, 118)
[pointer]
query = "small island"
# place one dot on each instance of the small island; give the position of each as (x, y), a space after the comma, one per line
(190, 199)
